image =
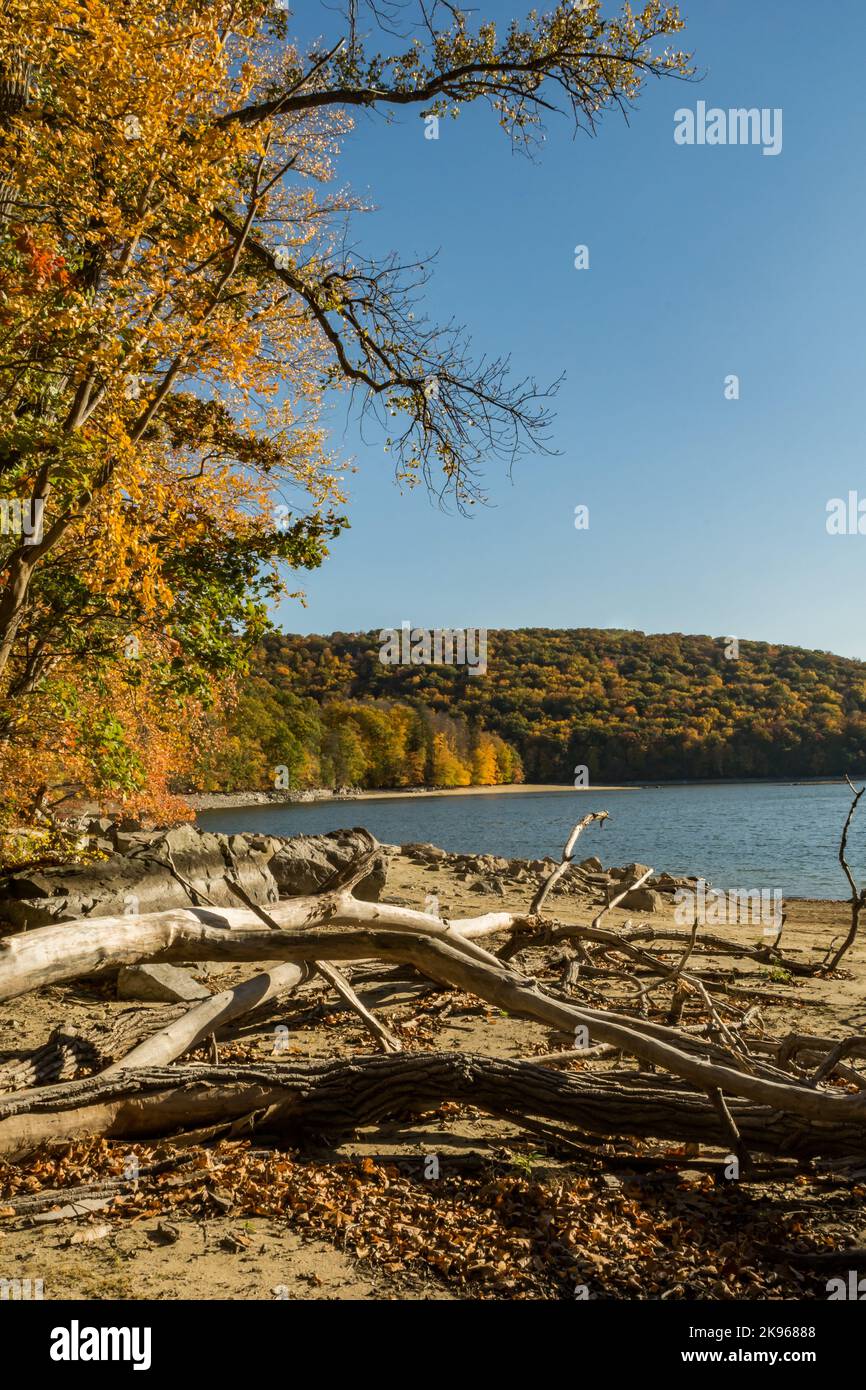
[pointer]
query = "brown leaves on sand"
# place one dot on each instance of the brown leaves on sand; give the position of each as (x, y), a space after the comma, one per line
(488, 1233)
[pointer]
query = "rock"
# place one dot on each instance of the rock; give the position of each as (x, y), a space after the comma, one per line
(31, 886)
(97, 825)
(64, 1213)
(234, 1244)
(423, 851)
(479, 887)
(183, 866)
(630, 872)
(643, 900)
(126, 840)
(302, 864)
(165, 1233)
(593, 864)
(667, 883)
(159, 984)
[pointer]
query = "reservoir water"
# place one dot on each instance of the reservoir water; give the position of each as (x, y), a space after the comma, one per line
(747, 835)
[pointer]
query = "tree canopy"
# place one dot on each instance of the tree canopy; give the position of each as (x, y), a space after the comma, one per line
(179, 296)
(625, 705)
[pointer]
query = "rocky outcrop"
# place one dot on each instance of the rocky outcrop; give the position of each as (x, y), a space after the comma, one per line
(148, 871)
(589, 879)
(303, 863)
(220, 801)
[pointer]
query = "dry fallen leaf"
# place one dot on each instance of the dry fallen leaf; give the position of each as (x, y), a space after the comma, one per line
(90, 1235)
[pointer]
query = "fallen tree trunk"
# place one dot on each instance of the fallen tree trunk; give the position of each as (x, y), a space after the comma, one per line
(716, 1092)
(186, 936)
(339, 1097)
(51, 955)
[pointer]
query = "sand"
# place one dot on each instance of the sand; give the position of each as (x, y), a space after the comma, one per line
(215, 801)
(130, 1262)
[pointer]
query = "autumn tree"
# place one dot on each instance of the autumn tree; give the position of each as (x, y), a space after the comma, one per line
(178, 295)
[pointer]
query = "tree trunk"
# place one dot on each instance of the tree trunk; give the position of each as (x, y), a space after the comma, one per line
(339, 1097)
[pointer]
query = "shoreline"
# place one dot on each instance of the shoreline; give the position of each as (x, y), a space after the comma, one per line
(218, 801)
(215, 801)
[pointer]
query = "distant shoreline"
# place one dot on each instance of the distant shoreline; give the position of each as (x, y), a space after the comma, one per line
(214, 801)
(217, 801)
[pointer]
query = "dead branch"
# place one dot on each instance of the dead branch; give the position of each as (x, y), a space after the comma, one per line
(343, 879)
(190, 935)
(708, 1075)
(858, 896)
(206, 1018)
(567, 857)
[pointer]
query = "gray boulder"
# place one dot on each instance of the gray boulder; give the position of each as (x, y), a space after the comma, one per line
(423, 852)
(630, 872)
(643, 900)
(182, 867)
(668, 883)
(304, 863)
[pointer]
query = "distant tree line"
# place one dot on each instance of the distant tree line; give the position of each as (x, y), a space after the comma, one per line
(626, 705)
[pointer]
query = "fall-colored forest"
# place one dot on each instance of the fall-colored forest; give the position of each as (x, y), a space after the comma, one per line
(280, 739)
(626, 705)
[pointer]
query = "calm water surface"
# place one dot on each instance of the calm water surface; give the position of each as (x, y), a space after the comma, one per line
(735, 836)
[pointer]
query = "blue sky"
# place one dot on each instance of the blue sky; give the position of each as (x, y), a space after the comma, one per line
(706, 514)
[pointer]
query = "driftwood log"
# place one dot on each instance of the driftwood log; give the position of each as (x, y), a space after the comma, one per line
(692, 1086)
(339, 1097)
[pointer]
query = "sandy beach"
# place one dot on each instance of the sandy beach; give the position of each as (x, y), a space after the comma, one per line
(215, 801)
(296, 1250)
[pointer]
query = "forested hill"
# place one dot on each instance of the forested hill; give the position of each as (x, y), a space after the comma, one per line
(625, 704)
